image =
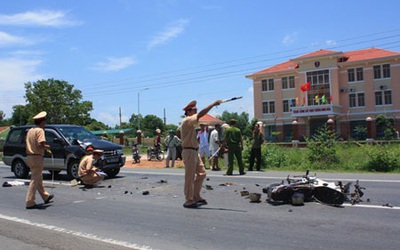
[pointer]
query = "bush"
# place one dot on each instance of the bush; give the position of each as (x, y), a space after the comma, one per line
(382, 158)
(322, 149)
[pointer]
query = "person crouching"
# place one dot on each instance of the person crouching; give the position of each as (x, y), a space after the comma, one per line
(87, 172)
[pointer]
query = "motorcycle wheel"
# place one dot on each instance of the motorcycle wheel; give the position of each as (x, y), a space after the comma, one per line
(160, 156)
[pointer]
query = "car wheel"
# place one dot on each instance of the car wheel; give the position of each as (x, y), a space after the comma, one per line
(20, 169)
(112, 172)
(72, 169)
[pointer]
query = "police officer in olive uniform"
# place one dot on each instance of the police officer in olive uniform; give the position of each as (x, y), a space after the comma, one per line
(35, 150)
(234, 141)
(194, 167)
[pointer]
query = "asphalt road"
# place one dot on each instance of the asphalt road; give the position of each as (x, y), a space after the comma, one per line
(117, 215)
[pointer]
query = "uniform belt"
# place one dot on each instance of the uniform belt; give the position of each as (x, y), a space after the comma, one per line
(35, 154)
(190, 148)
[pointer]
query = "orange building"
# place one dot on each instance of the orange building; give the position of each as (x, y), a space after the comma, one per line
(345, 88)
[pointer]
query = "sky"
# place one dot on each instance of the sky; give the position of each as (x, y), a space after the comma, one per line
(154, 56)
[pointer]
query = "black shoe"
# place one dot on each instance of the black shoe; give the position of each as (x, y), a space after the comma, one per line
(243, 173)
(228, 174)
(250, 169)
(194, 205)
(49, 199)
(88, 186)
(33, 207)
(201, 202)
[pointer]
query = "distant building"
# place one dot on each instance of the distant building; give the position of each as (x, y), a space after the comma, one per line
(346, 87)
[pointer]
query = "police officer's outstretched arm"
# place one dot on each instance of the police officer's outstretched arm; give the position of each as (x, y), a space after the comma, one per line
(208, 108)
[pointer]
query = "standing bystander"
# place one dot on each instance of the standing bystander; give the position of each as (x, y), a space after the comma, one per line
(35, 150)
(171, 142)
(194, 168)
(215, 146)
(255, 153)
(233, 139)
(202, 138)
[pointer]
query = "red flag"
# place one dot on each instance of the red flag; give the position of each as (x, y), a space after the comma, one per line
(305, 87)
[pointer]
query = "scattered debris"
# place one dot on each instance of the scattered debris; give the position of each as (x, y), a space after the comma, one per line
(145, 192)
(13, 183)
(75, 183)
(227, 184)
(244, 193)
(387, 205)
(126, 192)
(254, 197)
(290, 210)
(109, 186)
(144, 178)
(208, 187)
(162, 181)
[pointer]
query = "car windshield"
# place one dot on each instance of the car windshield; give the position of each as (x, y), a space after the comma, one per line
(77, 133)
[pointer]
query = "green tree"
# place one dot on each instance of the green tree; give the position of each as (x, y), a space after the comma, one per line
(150, 123)
(60, 100)
(242, 120)
(134, 121)
(95, 125)
(2, 115)
(20, 115)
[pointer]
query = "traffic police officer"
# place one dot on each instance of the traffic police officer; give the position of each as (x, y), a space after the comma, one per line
(194, 168)
(87, 172)
(35, 150)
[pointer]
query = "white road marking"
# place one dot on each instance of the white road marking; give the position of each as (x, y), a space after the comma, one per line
(76, 233)
(372, 206)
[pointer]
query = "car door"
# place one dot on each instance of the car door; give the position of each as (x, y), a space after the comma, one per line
(57, 144)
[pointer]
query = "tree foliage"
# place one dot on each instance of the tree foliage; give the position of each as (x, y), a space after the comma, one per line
(20, 115)
(150, 123)
(242, 119)
(60, 100)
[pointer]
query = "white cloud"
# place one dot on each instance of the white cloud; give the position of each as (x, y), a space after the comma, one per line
(330, 42)
(289, 39)
(13, 74)
(109, 119)
(8, 40)
(169, 33)
(38, 18)
(115, 63)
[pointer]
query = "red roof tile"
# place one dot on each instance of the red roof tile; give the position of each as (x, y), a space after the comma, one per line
(209, 119)
(321, 52)
(371, 53)
(289, 65)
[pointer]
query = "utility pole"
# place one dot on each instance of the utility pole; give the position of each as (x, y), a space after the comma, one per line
(120, 119)
(165, 118)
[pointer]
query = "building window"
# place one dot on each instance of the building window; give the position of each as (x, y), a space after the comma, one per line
(388, 97)
(271, 84)
(264, 85)
(267, 85)
(265, 107)
(291, 82)
(268, 107)
(351, 75)
(271, 107)
(357, 100)
(318, 77)
(361, 99)
(360, 74)
(386, 70)
(383, 97)
(355, 74)
(285, 105)
(382, 70)
(284, 83)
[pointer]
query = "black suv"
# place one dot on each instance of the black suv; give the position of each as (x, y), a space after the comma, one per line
(68, 143)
